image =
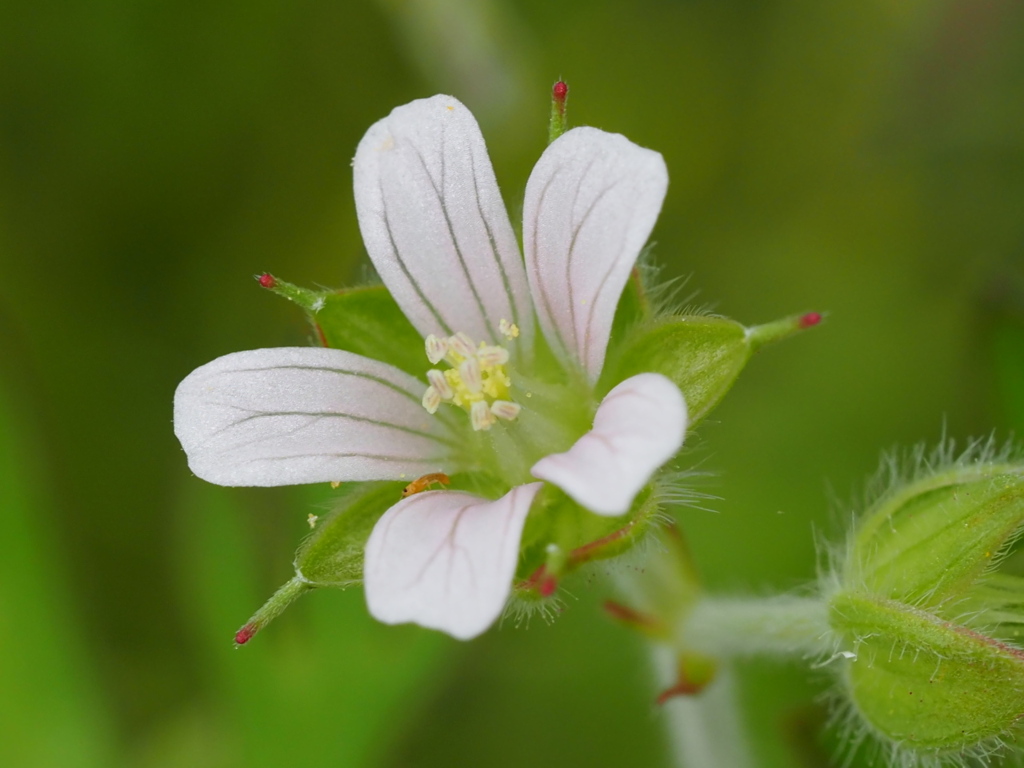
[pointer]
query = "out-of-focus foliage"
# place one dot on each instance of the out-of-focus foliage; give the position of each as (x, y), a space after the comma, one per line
(861, 158)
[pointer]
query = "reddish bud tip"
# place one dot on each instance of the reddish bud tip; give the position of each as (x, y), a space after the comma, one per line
(267, 280)
(244, 635)
(548, 586)
(560, 90)
(810, 319)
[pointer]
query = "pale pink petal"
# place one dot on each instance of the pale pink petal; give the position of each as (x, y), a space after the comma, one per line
(306, 415)
(590, 205)
(639, 426)
(445, 559)
(435, 225)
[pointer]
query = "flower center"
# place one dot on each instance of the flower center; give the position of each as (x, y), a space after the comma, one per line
(476, 380)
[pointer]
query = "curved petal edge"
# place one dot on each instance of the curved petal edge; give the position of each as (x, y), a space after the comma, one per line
(296, 415)
(590, 205)
(446, 559)
(435, 225)
(639, 426)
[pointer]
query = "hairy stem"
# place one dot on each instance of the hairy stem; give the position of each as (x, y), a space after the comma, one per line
(781, 625)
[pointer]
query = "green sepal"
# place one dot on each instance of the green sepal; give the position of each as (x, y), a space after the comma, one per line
(703, 355)
(633, 309)
(555, 519)
(996, 606)
(332, 555)
(930, 541)
(924, 682)
(368, 321)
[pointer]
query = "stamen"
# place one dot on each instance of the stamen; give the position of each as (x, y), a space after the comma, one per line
(431, 400)
(461, 345)
(469, 370)
(440, 383)
(508, 330)
(477, 380)
(436, 349)
(480, 416)
(490, 356)
(503, 409)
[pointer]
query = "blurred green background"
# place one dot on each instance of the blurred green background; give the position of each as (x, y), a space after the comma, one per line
(864, 158)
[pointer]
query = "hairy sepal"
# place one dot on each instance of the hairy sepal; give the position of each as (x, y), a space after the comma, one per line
(368, 321)
(925, 684)
(583, 537)
(930, 541)
(702, 355)
(332, 555)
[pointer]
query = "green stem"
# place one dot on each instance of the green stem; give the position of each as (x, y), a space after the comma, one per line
(781, 625)
(704, 730)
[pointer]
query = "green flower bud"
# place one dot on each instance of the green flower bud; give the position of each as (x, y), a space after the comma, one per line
(924, 625)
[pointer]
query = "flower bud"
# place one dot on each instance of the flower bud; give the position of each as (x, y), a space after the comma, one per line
(922, 620)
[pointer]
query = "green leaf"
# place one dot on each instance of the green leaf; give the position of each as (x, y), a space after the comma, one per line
(924, 682)
(332, 555)
(368, 321)
(930, 541)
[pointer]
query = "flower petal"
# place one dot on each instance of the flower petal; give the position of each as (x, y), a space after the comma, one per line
(639, 426)
(305, 415)
(446, 559)
(590, 205)
(435, 225)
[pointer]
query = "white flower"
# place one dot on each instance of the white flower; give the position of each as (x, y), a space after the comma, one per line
(436, 229)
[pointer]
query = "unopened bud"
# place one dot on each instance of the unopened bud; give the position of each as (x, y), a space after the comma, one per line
(922, 617)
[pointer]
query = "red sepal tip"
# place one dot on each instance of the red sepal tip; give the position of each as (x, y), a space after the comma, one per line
(680, 689)
(810, 319)
(245, 634)
(560, 90)
(548, 586)
(267, 280)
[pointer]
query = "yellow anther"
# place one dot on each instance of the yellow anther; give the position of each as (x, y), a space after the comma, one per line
(491, 356)
(431, 400)
(477, 380)
(503, 409)
(508, 330)
(480, 416)
(439, 382)
(461, 345)
(471, 375)
(436, 348)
